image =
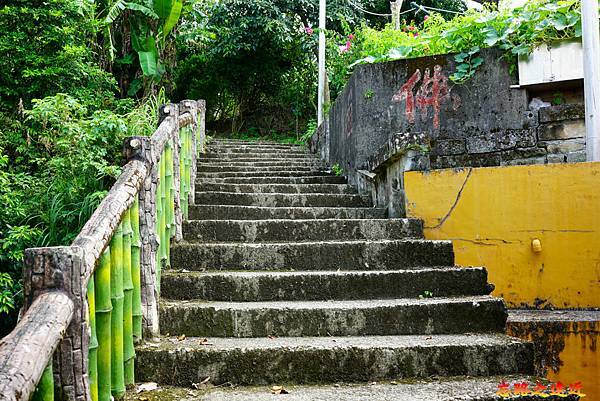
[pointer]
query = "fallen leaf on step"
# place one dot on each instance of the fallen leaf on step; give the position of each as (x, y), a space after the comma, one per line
(185, 271)
(205, 342)
(278, 390)
(181, 337)
(271, 337)
(373, 383)
(429, 338)
(205, 380)
(393, 383)
(143, 399)
(150, 386)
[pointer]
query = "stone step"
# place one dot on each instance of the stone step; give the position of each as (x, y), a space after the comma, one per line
(280, 173)
(265, 154)
(250, 231)
(277, 188)
(216, 147)
(315, 286)
(473, 314)
(462, 388)
(314, 179)
(277, 163)
(282, 200)
(221, 212)
(331, 255)
(254, 142)
(256, 150)
(207, 168)
(268, 361)
(209, 158)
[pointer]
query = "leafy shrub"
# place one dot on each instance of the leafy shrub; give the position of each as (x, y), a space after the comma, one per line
(45, 51)
(515, 31)
(56, 163)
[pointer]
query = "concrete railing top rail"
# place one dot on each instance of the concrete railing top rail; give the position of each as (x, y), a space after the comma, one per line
(54, 315)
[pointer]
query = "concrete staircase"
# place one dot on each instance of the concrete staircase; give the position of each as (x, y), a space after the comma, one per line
(287, 275)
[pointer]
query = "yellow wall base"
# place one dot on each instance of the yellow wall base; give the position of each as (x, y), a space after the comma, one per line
(495, 215)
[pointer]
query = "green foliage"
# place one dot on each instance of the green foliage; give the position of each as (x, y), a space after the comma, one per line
(337, 170)
(45, 51)
(148, 25)
(515, 31)
(56, 163)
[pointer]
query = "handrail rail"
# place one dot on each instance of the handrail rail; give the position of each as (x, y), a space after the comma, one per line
(55, 316)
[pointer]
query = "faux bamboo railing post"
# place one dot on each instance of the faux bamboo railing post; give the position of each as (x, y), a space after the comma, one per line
(128, 348)
(62, 268)
(103, 329)
(93, 349)
(140, 148)
(117, 386)
(136, 273)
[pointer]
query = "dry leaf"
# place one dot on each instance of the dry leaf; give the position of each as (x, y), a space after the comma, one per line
(393, 383)
(150, 386)
(205, 342)
(205, 380)
(143, 399)
(278, 390)
(373, 383)
(181, 337)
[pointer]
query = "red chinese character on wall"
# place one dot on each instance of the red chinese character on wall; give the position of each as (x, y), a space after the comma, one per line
(433, 92)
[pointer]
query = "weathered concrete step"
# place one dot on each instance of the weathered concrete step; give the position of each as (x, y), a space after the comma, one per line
(300, 230)
(280, 173)
(314, 286)
(436, 389)
(278, 188)
(205, 168)
(314, 179)
(255, 149)
(268, 361)
(282, 200)
(221, 212)
(256, 155)
(257, 146)
(277, 163)
(332, 255)
(208, 158)
(473, 314)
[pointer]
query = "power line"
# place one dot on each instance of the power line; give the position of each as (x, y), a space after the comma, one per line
(368, 12)
(415, 7)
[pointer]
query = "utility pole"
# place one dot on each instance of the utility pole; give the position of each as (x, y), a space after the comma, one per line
(396, 6)
(322, 71)
(591, 73)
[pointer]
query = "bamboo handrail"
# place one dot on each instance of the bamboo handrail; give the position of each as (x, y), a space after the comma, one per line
(55, 316)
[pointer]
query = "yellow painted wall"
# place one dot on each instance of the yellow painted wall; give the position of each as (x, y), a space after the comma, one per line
(493, 214)
(570, 353)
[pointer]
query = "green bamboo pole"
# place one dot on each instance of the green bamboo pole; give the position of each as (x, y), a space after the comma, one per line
(136, 245)
(103, 321)
(164, 242)
(170, 192)
(93, 347)
(117, 298)
(159, 211)
(128, 349)
(187, 169)
(182, 170)
(45, 388)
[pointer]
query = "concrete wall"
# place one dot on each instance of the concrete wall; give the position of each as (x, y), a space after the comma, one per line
(493, 215)
(408, 115)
